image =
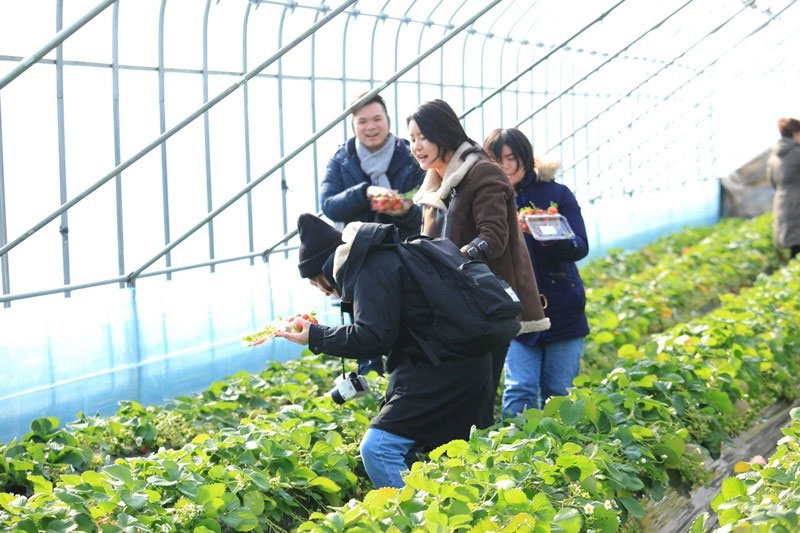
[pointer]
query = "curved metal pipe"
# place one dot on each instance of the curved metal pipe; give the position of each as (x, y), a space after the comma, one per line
(425, 26)
(162, 124)
(281, 141)
(322, 9)
(380, 18)
(246, 101)
(489, 35)
(207, 133)
(63, 228)
(405, 20)
(117, 140)
(506, 40)
(441, 52)
(4, 276)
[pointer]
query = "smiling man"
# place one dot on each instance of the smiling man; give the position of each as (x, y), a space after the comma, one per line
(371, 164)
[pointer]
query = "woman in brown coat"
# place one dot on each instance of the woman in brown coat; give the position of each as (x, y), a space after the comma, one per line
(467, 198)
(783, 171)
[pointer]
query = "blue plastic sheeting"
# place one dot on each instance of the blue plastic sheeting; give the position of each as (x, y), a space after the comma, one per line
(161, 340)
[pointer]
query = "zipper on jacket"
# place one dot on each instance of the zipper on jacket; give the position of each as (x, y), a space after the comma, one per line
(446, 226)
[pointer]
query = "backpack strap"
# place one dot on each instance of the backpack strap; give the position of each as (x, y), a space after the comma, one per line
(426, 348)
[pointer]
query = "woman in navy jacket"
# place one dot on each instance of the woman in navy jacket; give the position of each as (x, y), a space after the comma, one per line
(541, 365)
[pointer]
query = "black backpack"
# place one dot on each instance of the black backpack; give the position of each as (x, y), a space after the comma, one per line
(474, 311)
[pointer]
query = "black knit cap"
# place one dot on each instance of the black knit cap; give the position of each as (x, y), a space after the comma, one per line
(318, 241)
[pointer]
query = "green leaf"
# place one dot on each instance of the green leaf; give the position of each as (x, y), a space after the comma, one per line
(569, 519)
(720, 400)
(241, 520)
(325, 484)
(733, 488)
(571, 412)
(301, 438)
(604, 337)
(206, 493)
(633, 506)
(515, 497)
(42, 427)
(120, 473)
(254, 502)
(208, 525)
(41, 485)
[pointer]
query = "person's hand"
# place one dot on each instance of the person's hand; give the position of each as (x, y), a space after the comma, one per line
(299, 338)
(374, 190)
(407, 204)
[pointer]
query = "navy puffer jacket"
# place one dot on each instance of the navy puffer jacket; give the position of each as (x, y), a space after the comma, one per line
(554, 262)
(344, 189)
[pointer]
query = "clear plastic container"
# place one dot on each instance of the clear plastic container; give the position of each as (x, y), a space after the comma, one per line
(549, 227)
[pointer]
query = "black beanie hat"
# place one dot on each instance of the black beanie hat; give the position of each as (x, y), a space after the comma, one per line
(318, 241)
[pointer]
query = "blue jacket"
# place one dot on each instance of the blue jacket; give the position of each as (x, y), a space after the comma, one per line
(344, 189)
(554, 262)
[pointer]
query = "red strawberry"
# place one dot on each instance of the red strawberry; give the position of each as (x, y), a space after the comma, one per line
(305, 317)
(553, 209)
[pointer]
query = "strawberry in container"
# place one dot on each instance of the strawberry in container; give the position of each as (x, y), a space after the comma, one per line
(288, 325)
(544, 225)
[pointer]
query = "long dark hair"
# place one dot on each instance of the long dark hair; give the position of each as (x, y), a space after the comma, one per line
(439, 124)
(518, 143)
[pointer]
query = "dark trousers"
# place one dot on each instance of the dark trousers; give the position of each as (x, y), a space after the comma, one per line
(498, 360)
(794, 250)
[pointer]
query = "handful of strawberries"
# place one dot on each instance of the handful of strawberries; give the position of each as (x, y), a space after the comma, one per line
(533, 210)
(390, 201)
(289, 325)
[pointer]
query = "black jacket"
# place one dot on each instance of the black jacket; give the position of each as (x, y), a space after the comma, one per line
(344, 189)
(431, 405)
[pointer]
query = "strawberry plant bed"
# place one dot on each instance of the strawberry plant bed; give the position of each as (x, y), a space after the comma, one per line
(678, 513)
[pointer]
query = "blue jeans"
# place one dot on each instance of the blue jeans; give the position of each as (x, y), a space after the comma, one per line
(535, 373)
(385, 456)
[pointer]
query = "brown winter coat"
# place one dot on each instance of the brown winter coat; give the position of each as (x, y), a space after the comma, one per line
(783, 171)
(485, 207)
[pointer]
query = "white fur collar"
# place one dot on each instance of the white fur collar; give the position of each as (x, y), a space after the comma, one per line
(343, 250)
(435, 189)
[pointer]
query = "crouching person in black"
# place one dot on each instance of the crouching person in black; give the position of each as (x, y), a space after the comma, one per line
(426, 404)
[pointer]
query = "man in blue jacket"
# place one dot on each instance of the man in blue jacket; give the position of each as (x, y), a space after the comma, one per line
(372, 163)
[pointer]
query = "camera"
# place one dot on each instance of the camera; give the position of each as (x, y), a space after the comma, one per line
(348, 386)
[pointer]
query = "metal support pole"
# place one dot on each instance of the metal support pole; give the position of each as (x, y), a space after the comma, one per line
(448, 26)
(63, 228)
(117, 141)
(59, 38)
(186, 121)
(380, 18)
(3, 230)
(281, 140)
(207, 134)
(489, 35)
(404, 20)
(162, 121)
(322, 9)
(428, 23)
(246, 100)
(345, 132)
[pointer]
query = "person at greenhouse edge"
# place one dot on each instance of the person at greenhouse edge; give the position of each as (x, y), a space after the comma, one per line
(544, 365)
(783, 171)
(467, 198)
(370, 163)
(425, 405)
